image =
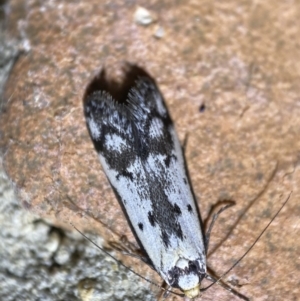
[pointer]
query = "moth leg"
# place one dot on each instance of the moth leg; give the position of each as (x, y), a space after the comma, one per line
(246, 209)
(164, 294)
(184, 144)
(214, 218)
(126, 248)
(227, 287)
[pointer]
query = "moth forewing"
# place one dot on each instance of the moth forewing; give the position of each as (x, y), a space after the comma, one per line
(141, 155)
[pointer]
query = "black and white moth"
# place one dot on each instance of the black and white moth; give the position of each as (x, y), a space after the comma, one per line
(141, 155)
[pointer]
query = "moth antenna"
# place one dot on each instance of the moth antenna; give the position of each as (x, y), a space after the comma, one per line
(251, 247)
(122, 264)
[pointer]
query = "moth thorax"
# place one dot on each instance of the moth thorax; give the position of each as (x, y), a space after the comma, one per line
(188, 280)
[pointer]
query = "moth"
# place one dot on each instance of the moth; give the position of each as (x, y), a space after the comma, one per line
(142, 158)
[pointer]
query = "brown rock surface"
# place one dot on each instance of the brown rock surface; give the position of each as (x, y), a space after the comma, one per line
(240, 59)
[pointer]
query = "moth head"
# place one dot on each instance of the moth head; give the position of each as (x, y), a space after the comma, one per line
(193, 293)
(187, 276)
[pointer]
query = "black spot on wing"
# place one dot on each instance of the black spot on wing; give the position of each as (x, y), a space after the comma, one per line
(189, 207)
(165, 238)
(126, 174)
(177, 209)
(141, 226)
(179, 231)
(151, 218)
(168, 160)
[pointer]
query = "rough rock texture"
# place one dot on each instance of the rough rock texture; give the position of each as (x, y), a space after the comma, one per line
(229, 72)
(41, 262)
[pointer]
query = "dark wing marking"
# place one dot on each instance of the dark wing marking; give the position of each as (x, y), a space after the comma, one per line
(140, 125)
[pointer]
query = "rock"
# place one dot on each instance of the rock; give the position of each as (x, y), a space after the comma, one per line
(238, 59)
(142, 16)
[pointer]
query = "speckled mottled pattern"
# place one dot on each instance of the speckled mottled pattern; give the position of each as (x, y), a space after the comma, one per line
(40, 262)
(142, 158)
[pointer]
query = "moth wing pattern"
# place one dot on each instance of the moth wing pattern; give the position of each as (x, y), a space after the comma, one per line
(141, 155)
